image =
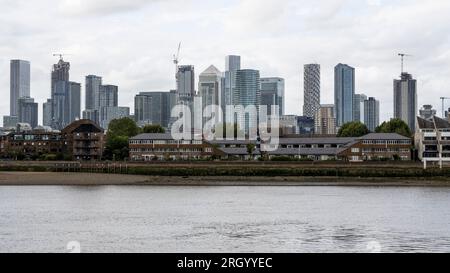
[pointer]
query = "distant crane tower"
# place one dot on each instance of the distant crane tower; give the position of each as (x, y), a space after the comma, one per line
(176, 57)
(403, 55)
(60, 55)
(443, 106)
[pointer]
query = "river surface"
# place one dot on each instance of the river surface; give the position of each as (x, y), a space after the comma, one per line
(224, 219)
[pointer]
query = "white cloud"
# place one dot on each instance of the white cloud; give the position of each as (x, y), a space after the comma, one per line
(89, 7)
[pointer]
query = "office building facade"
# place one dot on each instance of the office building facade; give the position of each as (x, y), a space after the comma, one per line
(66, 104)
(19, 83)
(358, 107)
(247, 93)
(372, 113)
(273, 94)
(186, 84)
(93, 84)
(28, 111)
(210, 87)
(154, 108)
(344, 91)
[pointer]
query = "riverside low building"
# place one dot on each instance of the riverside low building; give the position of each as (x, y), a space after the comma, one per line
(84, 140)
(432, 140)
(30, 144)
(147, 147)
(150, 147)
(81, 140)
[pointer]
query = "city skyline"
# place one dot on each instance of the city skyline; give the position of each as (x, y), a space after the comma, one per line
(136, 64)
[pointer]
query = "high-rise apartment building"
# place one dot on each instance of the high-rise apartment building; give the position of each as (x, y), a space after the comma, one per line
(311, 90)
(19, 83)
(405, 100)
(109, 96)
(154, 108)
(371, 113)
(186, 84)
(93, 85)
(66, 104)
(344, 91)
(28, 111)
(358, 107)
(272, 94)
(10, 122)
(59, 85)
(110, 113)
(47, 113)
(325, 120)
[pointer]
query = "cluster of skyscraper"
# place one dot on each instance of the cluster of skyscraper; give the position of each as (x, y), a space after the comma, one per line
(23, 109)
(348, 105)
(102, 102)
(233, 87)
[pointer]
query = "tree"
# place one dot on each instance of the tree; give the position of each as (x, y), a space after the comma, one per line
(123, 127)
(119, 131)
(353, 129)
(395, 126)
(251, 148)
(153, 129)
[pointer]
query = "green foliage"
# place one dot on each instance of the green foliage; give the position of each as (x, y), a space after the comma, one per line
(395, 126)
(49, 157)
(353, 129)
(153, 129)
(290, 159)
(251, 148)
(119, 131)
(123, 127)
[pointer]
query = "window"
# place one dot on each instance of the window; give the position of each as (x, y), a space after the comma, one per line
(355, 150)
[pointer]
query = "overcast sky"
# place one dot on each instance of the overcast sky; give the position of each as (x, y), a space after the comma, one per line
(131, 42)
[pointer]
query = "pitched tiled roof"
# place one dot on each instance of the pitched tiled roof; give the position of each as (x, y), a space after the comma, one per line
(384, 136)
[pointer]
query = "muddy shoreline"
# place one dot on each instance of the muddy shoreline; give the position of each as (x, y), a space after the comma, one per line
(95, 179)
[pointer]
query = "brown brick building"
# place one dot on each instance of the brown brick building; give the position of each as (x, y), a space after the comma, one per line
(83, 140)
(30, 144)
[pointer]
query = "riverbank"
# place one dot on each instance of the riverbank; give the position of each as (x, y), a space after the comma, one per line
(96, 179)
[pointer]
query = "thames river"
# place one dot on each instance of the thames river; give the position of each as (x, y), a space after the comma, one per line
(224, 219)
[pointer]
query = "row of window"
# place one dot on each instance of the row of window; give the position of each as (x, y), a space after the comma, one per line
(163, 142)
(171, 150)
(388, 150)
(36, 137)
(387, 142)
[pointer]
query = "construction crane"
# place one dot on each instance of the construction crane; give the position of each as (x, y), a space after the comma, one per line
(60, 55)
(403, 55)
(176, 57)
(443, 106)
